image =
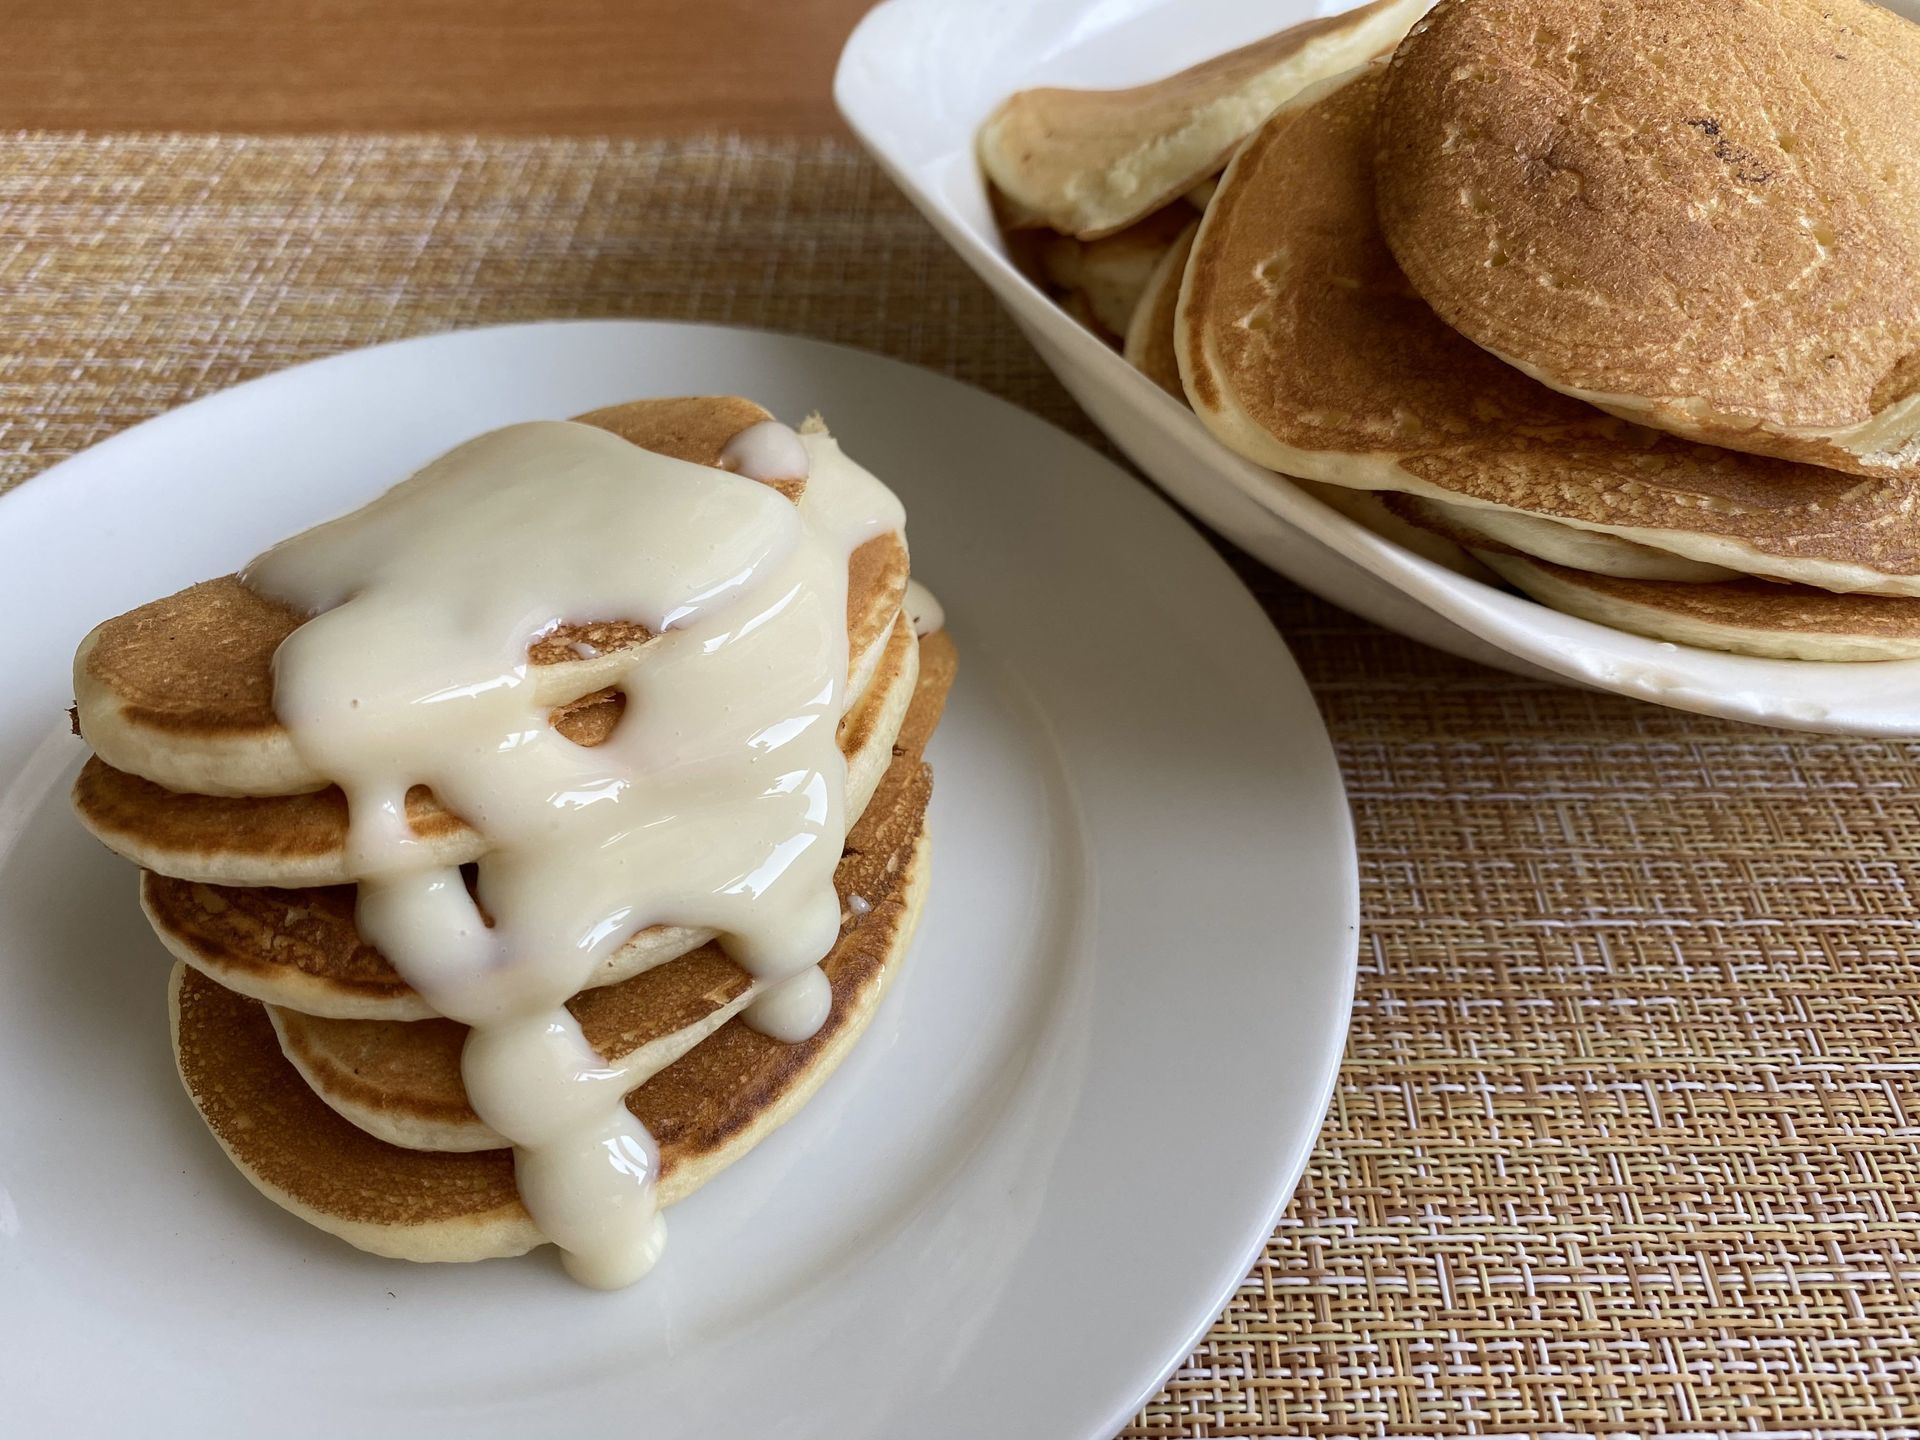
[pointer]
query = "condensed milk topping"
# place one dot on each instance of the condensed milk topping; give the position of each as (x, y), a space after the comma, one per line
(718, 802)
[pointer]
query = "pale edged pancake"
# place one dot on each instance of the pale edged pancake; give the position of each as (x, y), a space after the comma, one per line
(1148, 343)
(1109, 275)
(295, 841)
(1374, 513)
(1303, 347)
(706, 1110)
(180, 691)
(1090, 162)
(1746, 617)
(400, 1081)
(1509, 533)
(1150, 350)
(1704, 217)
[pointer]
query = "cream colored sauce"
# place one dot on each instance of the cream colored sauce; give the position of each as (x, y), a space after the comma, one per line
(718, 802)
(923, 609)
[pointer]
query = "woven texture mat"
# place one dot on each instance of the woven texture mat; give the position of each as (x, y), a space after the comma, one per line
(1628, 1137)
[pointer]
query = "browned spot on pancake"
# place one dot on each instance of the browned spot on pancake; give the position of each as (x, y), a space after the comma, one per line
(876, 584)
(590, 719)
(200, 660)
(259, 1107)
(262, 930)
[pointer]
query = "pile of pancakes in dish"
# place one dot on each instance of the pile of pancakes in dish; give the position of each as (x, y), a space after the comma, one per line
(328, 1081)
(1618, 299)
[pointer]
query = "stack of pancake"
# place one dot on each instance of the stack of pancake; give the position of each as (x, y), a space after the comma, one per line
(329, 1082)
(1618, 298)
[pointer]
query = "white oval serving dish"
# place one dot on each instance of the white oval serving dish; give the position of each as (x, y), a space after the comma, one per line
(915, 81)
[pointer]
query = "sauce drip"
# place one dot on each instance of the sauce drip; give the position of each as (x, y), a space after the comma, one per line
(924, 609)
(718, 802)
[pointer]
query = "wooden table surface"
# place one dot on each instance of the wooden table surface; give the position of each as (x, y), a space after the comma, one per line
(642, 67)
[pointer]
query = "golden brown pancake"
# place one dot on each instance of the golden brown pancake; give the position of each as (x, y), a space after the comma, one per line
(1090, 162)
(300, 840)
(180, 691)
(300, 949)
(1704, 217)
(1507, 533)
(1149, 334)
(1303, 348)
(1110, 275)
(1747, 617)
(1150, 349)
(706, 1110)
(401, 1080)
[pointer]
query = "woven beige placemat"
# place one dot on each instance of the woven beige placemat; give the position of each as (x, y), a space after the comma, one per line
(1628, 1137)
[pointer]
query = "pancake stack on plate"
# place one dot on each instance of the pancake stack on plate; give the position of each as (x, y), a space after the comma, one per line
(329, 1082)
(1619, 297)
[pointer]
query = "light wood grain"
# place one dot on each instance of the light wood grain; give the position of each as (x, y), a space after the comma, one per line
(647, 67)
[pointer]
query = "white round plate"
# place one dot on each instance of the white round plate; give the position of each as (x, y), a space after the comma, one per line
(1017, 1205)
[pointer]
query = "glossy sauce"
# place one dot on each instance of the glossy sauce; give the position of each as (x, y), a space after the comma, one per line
(718, 802)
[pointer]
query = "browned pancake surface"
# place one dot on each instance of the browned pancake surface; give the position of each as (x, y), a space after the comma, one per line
(1298, 318)
(307, 1154)
(413, 1067)
(162, 827)
(200, 662)
(1686, 202)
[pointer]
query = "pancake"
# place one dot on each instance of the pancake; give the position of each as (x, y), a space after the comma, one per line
(400, 1081)
(180, 691)
(1530, 537)
(1150, 350)
(1747, 617)
(300, 949)
(301, 840)
(1372, 513)
(1149, 333)
(706, 1110)
(1109, 275)
(1090, 162)
(1702, 217)
(1303, 348)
